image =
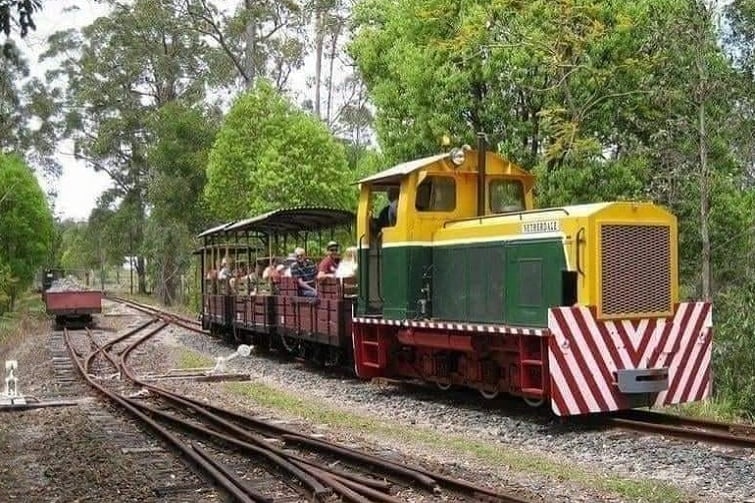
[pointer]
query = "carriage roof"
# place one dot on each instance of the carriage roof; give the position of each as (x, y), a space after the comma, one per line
(286, 220)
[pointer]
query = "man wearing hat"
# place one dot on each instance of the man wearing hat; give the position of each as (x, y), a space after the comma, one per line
(328, 265)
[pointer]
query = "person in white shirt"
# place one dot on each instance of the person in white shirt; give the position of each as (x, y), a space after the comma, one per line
(347, 267)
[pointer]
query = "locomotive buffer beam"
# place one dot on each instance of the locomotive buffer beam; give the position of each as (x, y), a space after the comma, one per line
(642, 380)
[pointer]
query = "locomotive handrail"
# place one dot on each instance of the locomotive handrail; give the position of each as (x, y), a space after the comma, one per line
(380, 266)
(513, 213)
(579, 268)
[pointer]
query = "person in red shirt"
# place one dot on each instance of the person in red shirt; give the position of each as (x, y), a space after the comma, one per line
(328, 265)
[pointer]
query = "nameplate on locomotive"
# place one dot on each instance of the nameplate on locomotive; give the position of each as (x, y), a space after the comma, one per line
(541, 226)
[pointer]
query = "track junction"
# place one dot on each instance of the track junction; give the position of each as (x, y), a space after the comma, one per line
(295, 465)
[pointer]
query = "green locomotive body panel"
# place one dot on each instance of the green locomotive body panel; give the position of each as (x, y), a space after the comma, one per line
(506, 282)
(402, 281)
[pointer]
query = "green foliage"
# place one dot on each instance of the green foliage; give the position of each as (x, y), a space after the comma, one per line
(369, 163)
(120, 71)
(168, 251)
(270, 154)
(19, 14)
(734, 359)
(177, 163)
(591, 181)
(548, 81)
(77, 251)
(26, 227)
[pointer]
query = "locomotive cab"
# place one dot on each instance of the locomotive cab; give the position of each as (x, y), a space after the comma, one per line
(395, 255)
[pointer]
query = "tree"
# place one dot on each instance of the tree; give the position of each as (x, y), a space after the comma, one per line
(26, 227)
(177, 160)
(270, 154)
(552, 83)
(25, 113)
(261, 39)
(18, 13)
(119, 71)
(183, 138)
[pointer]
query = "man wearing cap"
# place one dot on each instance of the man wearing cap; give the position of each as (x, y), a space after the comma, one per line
(328, 265)
(304, 271)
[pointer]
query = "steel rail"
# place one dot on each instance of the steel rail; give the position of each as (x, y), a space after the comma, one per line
(427, 478)
(191, 454)
(102, 349)
(280, 431)
(146, 308)
(706, 430)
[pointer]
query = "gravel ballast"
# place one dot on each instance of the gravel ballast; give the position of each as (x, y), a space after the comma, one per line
(707, 472)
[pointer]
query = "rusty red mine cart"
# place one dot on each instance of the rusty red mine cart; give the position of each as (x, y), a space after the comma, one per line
(73, 309)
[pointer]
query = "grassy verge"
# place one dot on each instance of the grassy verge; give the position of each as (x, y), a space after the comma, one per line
(188, 359)
(717, 409)
(28, 317)
(492, 454)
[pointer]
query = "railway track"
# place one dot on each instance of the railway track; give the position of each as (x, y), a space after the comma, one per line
(704, 430)
(175, 319)
(288, 465)
(738, 435)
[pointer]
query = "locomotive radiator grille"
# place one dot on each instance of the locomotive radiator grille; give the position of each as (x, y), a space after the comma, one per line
(635, 270)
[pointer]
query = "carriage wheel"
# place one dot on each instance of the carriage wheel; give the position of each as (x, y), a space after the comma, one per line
(289, 346)
(489, 395)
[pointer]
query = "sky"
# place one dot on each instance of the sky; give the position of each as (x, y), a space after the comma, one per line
(79, 186)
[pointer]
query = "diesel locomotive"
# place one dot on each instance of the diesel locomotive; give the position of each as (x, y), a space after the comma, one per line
(470, 285)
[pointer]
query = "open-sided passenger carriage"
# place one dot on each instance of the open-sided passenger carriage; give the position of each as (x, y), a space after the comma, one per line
(252, 307)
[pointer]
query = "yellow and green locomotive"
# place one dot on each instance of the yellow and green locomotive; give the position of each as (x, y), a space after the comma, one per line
(461, 281)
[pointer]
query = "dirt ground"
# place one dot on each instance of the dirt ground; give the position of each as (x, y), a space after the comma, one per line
(87, 452)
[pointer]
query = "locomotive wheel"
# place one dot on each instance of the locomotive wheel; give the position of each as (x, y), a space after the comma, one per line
(489, 395)
(443, 386)
(534, 402)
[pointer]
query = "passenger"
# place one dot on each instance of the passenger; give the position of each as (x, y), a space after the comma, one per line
(268, 272)
(285, 269)
(329, 264)
(305, 271)
(387, 217)
(239, 280)
(347, 267)
(253, 281)
(225, 270)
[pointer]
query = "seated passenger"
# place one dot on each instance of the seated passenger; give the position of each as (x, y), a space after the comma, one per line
(347, 267)
(238, 281)
(305, 271)
(269, 271)
(329, 264)
(225, 271)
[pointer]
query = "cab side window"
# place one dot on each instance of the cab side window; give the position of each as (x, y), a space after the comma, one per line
(436, 193)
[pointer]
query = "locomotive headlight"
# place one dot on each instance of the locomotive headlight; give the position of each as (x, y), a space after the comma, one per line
(458, 156)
